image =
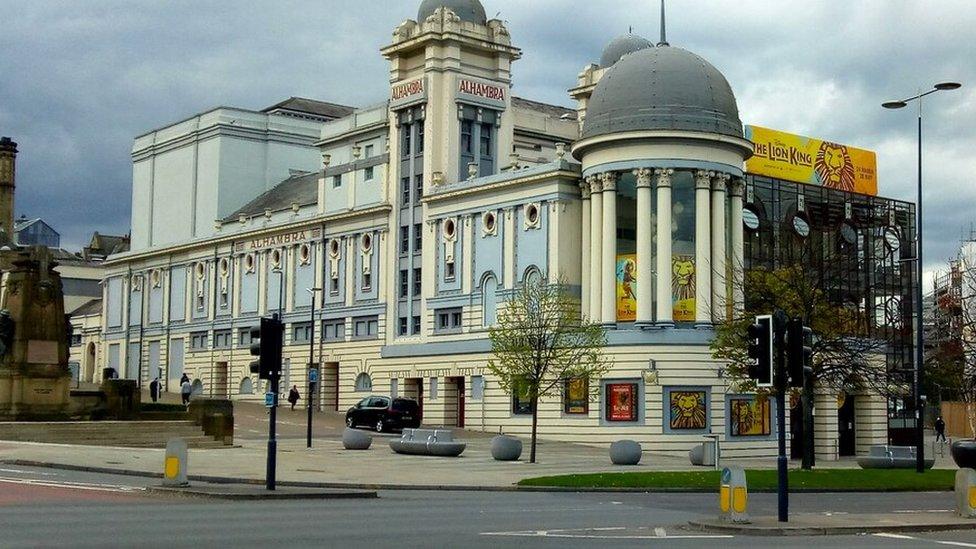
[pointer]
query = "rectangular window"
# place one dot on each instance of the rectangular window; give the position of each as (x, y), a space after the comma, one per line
(244, 337)
(75, 340)
(368, 174)
(420, 137)
(621, 401)
(369, 151)
(432, 392)
(334, 330)
(404, 283)
(418, 283)
(301, 332)
(222, 339)
(448, 320)
(334, 285)
(336, 181)
(449, 272)
(402, 328)
(405, 145)
(466, 129)
(477, 387)
(416, 324)
(576, 396)
(521, 400)
(367, 282)
(198, 341)
(418, 238)
(366, 327)
(405, 190)
(404, 240)
(418, 186)
(486, 149)
(750, 417)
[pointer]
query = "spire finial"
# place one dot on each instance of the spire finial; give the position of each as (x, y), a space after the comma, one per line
(664, 31)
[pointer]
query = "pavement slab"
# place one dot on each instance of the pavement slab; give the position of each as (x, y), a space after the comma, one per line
(826, 524)
(250, 492)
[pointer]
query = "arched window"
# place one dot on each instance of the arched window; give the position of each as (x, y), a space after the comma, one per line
(364, 383)
(532, 276)
(489, 301)
(197, 387)
(247, 386)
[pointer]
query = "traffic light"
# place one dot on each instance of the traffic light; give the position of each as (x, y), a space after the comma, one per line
(760, 335)
(266, 345)
(799, 351)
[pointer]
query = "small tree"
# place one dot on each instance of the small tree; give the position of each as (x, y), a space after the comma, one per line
(541, 342)
(956, 357)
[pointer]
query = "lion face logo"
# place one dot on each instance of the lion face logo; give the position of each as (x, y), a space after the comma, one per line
(835, 167)
(683, 279)
(688, 410)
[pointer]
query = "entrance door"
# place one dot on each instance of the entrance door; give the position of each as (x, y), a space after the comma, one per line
(329, 386)
(458, 383)
(221, 385)
(847, 439)
(414, 388)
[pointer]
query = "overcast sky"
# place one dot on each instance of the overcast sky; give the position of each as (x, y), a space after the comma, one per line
(79, 79)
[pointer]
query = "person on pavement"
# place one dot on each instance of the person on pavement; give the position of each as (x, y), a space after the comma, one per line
(184, 379)
(940, 429)
(185, 390)
(293, 396)
(154, 390)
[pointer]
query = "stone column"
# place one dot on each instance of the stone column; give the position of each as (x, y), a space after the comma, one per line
(585, 250)
(608, 293)
(737, 256)
(596, 247)
(703, 249)
(645, 247)
(720, 276)
(8, 171)
(665, 306)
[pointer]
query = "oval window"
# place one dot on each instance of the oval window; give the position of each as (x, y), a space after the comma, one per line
(891, 239)
(532, 214)
(334, 248)
(200, 270)
(276, 258)
(490, 222)
(848, 233)
(750, 219)
(249, 262)
(801, 226)
(304, 253)
(224, 266)
(449, 228)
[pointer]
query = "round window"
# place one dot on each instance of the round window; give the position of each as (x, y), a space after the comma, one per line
(801, 226)
(848, 233)
(334, 248)
(750, 219)
(449, 228)
(532, 214)
(367, 242)
(489, 221)
(304, 253)
(276, 258)
(891, 239)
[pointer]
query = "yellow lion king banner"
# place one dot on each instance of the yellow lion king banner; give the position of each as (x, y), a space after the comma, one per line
(813, 161)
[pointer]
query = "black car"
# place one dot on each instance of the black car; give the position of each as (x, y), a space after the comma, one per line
(383, 413)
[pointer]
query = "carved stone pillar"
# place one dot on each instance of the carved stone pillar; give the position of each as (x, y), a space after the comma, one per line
(585, 250)
(645, 248)
(596, 247)
(703, 249)
(608, 294)
(737, 256)
(720, 276)
(665, 305)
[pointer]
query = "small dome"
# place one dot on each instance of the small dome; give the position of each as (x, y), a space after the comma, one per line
(621, 46)
(662, 88)
(468, 10)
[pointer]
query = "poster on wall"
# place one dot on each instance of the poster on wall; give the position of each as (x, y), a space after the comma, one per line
(750, 417)
(577, 396)
(683, 287)
(689, 410)
(812, 161)
(626, 288)
(621, 402)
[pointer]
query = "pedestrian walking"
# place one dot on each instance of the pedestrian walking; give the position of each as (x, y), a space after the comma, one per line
(293, 396)
(154, 389)
(185, 390)
(940, 429)
(184, 379)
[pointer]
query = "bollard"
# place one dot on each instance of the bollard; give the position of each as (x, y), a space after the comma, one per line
(966, 492)
(733, 495)
(174, 465)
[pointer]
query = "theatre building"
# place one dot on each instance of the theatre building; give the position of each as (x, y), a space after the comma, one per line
(417, 218)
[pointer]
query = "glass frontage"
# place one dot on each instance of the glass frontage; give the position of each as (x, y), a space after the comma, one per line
(683, 259)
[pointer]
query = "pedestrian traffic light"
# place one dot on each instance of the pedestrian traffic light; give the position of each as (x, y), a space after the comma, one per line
(266, 341)
(799, 351)
(760, 336)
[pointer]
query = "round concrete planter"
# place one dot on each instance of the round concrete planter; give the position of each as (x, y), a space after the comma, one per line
(353, 439)
(505, 448)
(625, 452)
(964, 453)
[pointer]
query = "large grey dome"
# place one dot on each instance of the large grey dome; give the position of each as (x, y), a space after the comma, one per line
(468, 10)
(621, 46)
(662, 88)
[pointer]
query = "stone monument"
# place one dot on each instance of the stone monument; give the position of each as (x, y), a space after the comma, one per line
(34, 333)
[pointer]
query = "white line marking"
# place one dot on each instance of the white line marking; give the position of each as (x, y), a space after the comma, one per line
(937, 541)
(909, 511)
(570, 535)
(659, 532)
(41, 473)
(74, 485)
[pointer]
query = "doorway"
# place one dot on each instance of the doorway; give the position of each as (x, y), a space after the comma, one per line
(414, 388)
(329, 386)
(846, 428)
(220, 384)
(454, 402)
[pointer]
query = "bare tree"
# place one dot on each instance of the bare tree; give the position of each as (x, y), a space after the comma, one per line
(954, 360)
(540, 343)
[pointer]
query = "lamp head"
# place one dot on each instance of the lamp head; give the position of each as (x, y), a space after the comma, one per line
(946, 86)
(894, 105)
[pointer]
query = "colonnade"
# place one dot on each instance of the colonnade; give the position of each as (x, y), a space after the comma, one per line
(715, 249)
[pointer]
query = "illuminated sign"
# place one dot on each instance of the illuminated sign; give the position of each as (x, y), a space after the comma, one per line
(812, 161)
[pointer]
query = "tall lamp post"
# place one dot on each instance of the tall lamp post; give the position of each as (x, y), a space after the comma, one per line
(312, 378)
(919, 338)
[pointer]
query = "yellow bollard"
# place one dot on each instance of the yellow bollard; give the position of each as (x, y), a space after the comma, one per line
(174, 464)
(966, 492)
(733, 495)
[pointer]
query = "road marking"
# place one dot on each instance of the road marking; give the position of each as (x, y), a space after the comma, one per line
(659, 533)
(21, 471)
(908, 511)
(938, 541)
(74, 485)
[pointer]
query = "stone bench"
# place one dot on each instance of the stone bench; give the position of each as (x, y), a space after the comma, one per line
(891, 457)
(428, 442)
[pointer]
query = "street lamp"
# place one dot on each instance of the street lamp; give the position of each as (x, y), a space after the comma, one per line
(312, 381)
(919, 338)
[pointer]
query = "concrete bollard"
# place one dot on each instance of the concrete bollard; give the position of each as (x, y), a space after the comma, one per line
(966, 492)
(174, 465)
(733, 495)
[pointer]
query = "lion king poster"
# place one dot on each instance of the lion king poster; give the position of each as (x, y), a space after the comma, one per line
(626, 288)
(813, 161)
(683, 288)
